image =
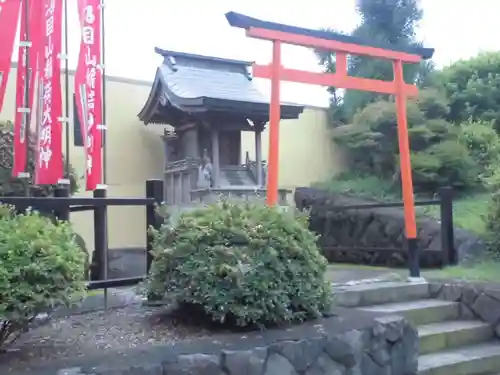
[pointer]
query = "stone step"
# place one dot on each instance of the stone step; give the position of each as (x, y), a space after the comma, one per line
(467, 360)
(420, 312)
(380, 293)
(452, 334)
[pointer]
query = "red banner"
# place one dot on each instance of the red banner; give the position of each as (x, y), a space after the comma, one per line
(9, 16)
(21, 120)
(88, 86)
(49, 166)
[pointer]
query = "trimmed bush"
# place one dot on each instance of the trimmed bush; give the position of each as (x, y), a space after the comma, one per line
(41, 268)
(241, 263)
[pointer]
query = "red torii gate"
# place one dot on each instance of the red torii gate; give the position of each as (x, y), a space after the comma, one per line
(342, 45)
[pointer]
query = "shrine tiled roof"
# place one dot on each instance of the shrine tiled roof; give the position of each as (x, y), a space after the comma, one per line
(194, 83)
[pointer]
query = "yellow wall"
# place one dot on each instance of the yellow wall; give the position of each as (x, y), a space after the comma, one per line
(135, 154)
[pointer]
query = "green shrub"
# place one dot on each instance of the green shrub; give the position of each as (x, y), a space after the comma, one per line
(41, 268)
(241, 263)
(445, 163)
(483, 143)
(493, 219)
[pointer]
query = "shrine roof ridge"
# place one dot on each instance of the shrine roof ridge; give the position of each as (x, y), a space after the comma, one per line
(170, 53)
(246, 22)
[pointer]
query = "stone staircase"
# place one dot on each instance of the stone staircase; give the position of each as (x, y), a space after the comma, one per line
(452, 342)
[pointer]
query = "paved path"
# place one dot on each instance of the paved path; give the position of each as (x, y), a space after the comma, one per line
(347, 273)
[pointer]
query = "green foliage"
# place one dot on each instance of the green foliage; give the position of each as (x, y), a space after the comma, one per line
(242, 263)
(18, 187)
(483, 143)
(473, 87)
(439, 156)
(444, 163)
(493, 222)
(41, 268)
(368, 187)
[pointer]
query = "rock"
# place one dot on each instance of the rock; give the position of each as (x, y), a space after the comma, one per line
(468, 246)
(248, 362)
(346, 349)
(487, 308)
(392, 326)
(324, 365)
(277, 364)
(70, 371)
(301, 354)
(344, 232)
(194, 364)
(116, 369)
(466, 313)
(144, 369)
(435, 289)
(450, 292)
(369, 366)
(469, 296)
(406, 350)
(497, 331)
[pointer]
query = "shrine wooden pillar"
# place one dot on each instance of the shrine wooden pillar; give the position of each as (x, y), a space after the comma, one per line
(258, 155)
(214, 135)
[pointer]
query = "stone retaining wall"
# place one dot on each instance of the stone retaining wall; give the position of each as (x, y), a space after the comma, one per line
(479, 301)
(375, 236)
(347, 343)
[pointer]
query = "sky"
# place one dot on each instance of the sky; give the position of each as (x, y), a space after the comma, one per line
(457, 29)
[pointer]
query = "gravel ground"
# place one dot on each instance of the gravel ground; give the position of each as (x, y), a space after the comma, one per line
(97, 332)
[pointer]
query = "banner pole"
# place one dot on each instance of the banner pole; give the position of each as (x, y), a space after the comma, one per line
(66, 92)
(26, 90)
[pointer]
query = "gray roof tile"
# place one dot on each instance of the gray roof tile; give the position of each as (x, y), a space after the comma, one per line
(201, 83)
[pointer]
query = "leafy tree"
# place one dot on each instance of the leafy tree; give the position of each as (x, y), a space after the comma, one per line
(473, 88)
(389, 22)
(439, 156)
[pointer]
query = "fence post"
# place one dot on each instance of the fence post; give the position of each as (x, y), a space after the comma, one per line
(447, 235)
(154, 190)
(100, 269)
(61, 211)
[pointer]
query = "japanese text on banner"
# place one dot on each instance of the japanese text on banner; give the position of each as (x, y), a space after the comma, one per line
(89, 75)
(50, 160)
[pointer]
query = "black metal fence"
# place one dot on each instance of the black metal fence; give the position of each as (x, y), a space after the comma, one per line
(443, 255)
(61, 205)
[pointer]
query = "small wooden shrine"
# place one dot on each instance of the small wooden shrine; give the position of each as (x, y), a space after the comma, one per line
(208, 102)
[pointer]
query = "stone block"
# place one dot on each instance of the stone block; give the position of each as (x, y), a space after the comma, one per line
(487, 308)
(450, 292)
(347, 348)
(301, 354)
(277, 364)
(325, 365)
(194, 364)
(244, 362)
